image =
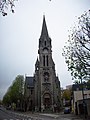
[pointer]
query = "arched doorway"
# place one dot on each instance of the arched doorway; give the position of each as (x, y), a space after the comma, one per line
(47, 100)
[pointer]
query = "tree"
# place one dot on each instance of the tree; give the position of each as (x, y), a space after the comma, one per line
(18, 91)
(15, 92)
(77, 49)
(66, 97)
(0, 102)
(76, 82)
(6, 4)
(66, 94)
(7, 97)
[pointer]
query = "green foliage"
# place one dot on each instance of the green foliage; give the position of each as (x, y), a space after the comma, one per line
(15, 91)
(66, 94)
(7, 97)
(0, 102)
(77, 49)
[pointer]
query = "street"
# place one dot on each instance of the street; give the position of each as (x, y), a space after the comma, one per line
(11, 115)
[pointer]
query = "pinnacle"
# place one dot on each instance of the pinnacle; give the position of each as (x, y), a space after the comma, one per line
(44, 31)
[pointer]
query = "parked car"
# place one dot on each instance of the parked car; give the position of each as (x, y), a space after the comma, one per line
(66, 110)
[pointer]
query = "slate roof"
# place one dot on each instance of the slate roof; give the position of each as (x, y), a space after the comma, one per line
(29, 81)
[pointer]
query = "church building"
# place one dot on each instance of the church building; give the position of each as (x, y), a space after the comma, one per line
(42, 91)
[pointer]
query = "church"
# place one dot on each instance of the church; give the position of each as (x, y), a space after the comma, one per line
(42, 91)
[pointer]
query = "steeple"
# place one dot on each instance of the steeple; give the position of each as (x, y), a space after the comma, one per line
(44, 31)
(37, 63)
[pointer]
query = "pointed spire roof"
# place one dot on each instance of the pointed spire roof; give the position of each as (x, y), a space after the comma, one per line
(37, 61)
(44, 31)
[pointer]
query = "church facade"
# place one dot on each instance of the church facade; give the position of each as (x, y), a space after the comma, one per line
(42, 91)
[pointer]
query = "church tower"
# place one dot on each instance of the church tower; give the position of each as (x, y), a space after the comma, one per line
(47, 84)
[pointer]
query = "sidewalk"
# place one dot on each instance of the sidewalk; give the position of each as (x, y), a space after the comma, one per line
(50, 115)
(83, 117)
(58, 115)
(36, 115)
(55, 115)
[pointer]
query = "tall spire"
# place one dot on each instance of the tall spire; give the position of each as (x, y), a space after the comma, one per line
(44, 31)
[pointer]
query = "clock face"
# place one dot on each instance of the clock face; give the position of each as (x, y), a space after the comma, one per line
(45, 50)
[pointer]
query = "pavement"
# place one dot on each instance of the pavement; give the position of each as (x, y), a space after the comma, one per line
(50, 115)
(38, 116)
(58, 115)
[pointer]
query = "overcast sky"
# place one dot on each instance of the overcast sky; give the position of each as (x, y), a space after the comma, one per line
(20, 32)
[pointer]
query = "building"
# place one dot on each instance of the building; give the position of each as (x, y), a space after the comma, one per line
(42, 91)
(69, 87)
(81, 99)
(29, 93)
(66, 95)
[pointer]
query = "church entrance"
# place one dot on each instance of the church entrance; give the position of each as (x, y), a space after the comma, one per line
(47, 101)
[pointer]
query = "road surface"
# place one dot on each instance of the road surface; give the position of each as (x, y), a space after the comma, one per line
(11, 115)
